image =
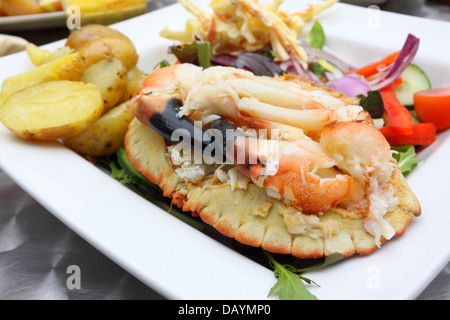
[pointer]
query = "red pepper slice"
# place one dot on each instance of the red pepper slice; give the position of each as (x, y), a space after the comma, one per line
(400, 118)
(375, 67)
(423, 134)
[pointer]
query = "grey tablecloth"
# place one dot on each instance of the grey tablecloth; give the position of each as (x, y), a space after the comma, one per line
(36, 250)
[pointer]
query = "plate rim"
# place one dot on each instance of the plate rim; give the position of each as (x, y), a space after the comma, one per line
(14, 171)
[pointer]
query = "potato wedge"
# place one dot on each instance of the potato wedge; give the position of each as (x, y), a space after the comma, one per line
(135, 80)
(88, 33)
(105, 136)
(111, 77)
(52, 110)
(66, 68)
(109, 47)
(39, 56)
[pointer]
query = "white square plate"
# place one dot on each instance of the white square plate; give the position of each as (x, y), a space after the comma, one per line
(182, 263)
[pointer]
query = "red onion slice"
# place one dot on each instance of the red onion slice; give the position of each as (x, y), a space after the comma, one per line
(351, 86)
(258, 64)
(404, 59)
(296, 69)
(315, 54)
(223, 59)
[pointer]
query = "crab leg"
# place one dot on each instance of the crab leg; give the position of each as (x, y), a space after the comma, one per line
(310, 120)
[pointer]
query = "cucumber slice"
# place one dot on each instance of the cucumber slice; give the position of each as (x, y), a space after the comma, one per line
(414, 80)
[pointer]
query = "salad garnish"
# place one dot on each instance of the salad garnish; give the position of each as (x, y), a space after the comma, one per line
(406, 158)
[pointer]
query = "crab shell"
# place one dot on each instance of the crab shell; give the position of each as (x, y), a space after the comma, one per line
(253, 218)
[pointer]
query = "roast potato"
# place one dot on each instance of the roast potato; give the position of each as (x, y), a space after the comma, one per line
(111, 77)
(88, 33)
(66, 68)
(52, 110)
(109, 47)
(135, 80)
(105, 136)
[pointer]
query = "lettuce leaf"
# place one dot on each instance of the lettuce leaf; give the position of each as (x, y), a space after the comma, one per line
(199, 53)
(406, 158)
(372, 103)
(316, 37)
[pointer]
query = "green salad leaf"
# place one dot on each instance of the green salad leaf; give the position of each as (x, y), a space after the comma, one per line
(289, 285)
(267, 53)
(163, 64)
(119, 174)
(199, 53)
(372, 103)
(316, 37)
(406, 158)
(318, 70)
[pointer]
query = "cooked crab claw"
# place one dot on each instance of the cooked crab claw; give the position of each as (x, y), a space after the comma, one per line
(167, 121)
(161, 113)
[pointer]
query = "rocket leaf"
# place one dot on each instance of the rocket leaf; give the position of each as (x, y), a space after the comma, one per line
(289, 285)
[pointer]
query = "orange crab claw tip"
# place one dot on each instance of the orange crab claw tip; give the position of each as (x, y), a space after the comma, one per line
(145, 107)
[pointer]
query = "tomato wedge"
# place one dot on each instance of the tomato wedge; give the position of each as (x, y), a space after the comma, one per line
(375, 67)
(433, 106)
(423, 134)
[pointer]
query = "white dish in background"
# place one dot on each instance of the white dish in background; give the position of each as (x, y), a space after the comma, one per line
(182, 263)
(33, 21)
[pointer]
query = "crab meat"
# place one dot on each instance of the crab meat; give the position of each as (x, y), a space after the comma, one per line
(319, 150)
(362, 151)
